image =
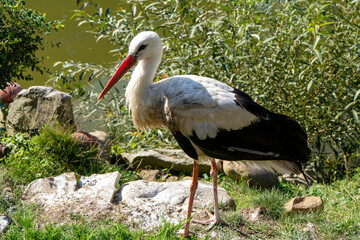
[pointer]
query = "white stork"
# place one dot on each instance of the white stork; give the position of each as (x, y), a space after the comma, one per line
(208, 119)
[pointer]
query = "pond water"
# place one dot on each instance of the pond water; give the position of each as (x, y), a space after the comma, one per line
(76, 43)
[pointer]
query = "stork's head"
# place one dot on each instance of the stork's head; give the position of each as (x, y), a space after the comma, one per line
(144, 45)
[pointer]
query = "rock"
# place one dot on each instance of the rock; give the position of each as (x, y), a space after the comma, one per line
(150, 175)
(39, 106)
(150, 203)
(96, 190)
(86, 139)
(187, 178)
(98, 138)
(4, 223)
(174, 160)
(255, 176)
(293, 178)
(254, 216)
(299, 179)
(8, 94)
(4, 150)
(172, 179)
(8, 194)
(304, 204)
(168, 178)
(104, 143)
(146, 203)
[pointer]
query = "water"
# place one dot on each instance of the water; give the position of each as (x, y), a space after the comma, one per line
(76, 43)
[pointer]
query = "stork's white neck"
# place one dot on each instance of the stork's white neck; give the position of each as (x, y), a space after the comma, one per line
(137, 94)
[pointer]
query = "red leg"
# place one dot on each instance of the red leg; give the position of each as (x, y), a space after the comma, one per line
(193, 187)
(214, 219)
(214, 174)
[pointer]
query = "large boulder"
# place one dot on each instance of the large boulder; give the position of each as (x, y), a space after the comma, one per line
(39, 106)
(255, 176)
(174, 160)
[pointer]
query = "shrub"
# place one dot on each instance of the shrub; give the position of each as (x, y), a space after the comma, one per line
(300, 58)
(21, 36)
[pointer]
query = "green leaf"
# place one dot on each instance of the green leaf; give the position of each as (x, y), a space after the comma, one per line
(318, 55)
(269, 39)
(356, 94)
(356, 117)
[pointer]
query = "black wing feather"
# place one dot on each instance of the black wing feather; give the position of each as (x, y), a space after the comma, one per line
(272, 137)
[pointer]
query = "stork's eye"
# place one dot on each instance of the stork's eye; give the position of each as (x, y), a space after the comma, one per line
(142, 47)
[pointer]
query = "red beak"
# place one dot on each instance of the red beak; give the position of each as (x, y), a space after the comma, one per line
(128, 62)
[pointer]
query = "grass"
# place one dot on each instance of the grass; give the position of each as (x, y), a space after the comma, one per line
(34, 157)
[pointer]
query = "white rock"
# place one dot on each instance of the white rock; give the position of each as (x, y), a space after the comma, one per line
(4, 223)
(98, 189)
(150, 203)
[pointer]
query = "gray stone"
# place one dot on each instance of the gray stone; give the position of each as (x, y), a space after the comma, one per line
(96, 190)
(38, 106)
(175, 161)
(255, 176)
(304, 204)
(4, 223)
(150, 203)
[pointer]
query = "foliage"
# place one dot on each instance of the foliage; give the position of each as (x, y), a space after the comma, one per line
(21, 36)
(114, 118)
(299, 58)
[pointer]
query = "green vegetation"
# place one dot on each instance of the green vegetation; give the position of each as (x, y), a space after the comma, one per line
(300, 58)
(21, 36)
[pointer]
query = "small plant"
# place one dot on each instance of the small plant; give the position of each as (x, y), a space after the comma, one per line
(6, 203)
(271, 203)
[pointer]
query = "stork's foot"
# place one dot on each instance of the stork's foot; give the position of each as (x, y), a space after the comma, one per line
(182, 233)
(213, 221)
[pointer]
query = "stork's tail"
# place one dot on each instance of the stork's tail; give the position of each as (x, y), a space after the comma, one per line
(280, 166)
